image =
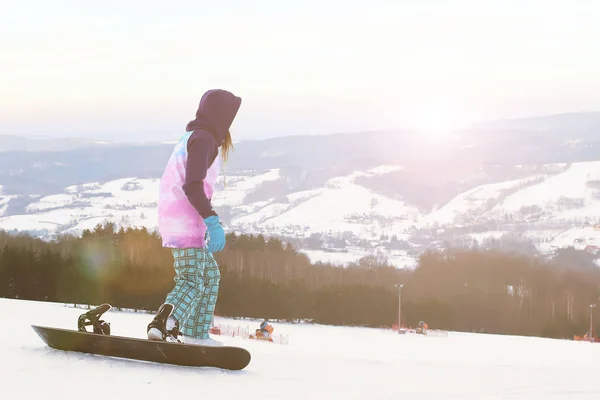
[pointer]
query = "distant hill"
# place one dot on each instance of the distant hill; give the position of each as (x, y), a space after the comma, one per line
(531, 184)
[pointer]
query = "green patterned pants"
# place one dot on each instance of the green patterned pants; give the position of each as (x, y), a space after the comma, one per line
(196, 289)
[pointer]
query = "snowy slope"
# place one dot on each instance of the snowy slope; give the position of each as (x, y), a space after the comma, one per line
(473, 204)
(340, 206)
(4, 199)
(320, 362)
(128, 201)
(571, 195)
(238, 187)
(554, 210)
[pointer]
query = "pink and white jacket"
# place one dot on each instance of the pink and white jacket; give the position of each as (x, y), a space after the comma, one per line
(188, 182)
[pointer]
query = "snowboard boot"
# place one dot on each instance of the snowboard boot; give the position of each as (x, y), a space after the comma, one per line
(164, 326)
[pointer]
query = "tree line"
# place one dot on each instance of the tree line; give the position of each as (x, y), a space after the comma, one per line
(461, 290)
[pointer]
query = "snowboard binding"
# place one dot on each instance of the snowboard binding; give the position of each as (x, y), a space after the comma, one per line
(157, 329)
(92, 318)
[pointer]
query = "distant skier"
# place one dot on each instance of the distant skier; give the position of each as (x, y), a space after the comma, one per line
(422, 328)
(186, 218)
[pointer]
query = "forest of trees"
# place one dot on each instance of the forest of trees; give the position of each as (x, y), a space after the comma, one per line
(461, 290)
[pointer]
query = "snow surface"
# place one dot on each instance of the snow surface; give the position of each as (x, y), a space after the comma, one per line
(320, 362)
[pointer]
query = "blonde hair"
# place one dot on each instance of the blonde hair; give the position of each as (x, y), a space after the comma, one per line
(226, 148)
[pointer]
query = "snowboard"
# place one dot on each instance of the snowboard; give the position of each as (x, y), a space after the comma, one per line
(101, 342)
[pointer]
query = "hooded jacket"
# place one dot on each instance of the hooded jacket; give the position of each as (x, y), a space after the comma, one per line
(187, 185)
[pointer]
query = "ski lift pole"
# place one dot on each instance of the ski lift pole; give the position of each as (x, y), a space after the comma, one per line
(592, 322)
(399, 286)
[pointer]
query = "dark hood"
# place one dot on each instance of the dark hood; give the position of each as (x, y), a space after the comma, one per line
(216, 113)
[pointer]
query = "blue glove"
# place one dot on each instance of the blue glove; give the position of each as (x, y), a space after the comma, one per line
(216, 234)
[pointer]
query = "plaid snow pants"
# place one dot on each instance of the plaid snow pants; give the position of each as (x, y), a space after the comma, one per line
(194, 296)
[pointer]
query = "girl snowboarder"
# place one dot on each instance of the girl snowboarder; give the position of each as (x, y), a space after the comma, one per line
(186, 219)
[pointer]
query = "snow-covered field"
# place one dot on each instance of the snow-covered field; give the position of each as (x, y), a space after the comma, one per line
(320, 362)
(397, 258)
(556, 206)
(126, 202)
(341, 205)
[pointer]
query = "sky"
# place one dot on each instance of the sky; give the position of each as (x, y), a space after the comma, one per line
(135, 70)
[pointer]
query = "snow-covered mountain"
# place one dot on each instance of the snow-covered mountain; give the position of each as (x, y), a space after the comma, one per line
(338, 197)
(557, 206)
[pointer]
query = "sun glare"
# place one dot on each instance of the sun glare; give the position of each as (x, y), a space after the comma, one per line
(437, 124)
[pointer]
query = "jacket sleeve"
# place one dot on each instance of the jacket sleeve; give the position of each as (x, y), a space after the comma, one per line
(202, 151)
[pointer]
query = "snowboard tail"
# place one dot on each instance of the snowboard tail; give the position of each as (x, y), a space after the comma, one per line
(225, 357)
